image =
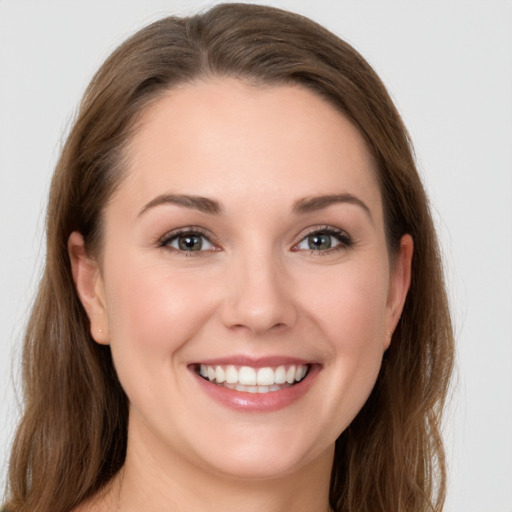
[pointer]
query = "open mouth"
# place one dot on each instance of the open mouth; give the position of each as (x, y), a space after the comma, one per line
(253, 380)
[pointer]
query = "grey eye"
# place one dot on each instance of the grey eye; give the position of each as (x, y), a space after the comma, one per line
(318, 242)
(190, 242)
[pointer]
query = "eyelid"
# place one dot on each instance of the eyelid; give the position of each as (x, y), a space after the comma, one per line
(164, 240)
(341, 235)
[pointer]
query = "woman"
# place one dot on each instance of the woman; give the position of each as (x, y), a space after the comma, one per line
(243, 304)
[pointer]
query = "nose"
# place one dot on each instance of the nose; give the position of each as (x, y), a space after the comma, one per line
(258, 295)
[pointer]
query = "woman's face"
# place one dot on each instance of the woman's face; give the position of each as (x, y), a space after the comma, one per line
(244, 248)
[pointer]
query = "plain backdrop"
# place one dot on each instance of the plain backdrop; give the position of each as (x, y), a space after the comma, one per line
(447, 64)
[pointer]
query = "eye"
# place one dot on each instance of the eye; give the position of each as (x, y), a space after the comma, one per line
(189, 241)
(324, 240)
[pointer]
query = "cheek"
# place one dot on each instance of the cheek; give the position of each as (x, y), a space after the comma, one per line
(153, 311)
(350, 306)
(353, 319)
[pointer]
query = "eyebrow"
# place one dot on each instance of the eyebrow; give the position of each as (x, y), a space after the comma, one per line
(315, 203)
(203, 204)
(213, 207)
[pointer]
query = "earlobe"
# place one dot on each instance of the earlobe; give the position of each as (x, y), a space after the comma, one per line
(399, 284)
(89, 286)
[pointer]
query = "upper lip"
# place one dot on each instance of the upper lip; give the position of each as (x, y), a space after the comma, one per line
(254, 362)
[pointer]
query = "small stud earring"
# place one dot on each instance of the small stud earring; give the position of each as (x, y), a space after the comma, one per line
(100, 331)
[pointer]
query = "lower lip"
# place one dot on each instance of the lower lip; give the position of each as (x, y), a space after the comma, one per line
(258, 402)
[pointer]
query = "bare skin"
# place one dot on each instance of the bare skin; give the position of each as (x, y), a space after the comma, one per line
(249, 227)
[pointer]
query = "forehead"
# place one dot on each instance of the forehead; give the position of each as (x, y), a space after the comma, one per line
(225, 138)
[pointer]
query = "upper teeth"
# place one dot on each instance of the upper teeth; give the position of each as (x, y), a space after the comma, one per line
(248, 376)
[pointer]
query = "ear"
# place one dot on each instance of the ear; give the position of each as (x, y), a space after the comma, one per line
(89, 286)
(400, 282)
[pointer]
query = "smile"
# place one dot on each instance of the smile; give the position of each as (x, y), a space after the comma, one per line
(253, 380)
(255, 385)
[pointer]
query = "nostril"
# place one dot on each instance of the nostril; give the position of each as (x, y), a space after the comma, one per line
(278, 327)
(254, 328)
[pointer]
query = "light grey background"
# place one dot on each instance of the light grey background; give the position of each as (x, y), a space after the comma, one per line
(448, 64)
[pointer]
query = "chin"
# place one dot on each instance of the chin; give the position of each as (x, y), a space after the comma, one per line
(264, 454)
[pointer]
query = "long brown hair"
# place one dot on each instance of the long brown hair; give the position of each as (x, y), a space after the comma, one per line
(72, 437)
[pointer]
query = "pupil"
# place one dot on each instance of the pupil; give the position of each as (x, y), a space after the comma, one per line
(319, 241)
(190, 242)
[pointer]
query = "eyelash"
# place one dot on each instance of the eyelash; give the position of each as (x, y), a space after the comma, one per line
(344, 239)
(169, 237)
